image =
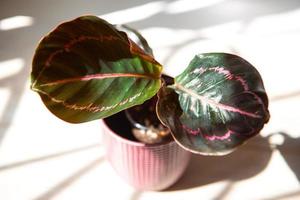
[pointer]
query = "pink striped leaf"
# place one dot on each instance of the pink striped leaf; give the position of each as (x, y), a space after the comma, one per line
(86, 69)
(215, 105)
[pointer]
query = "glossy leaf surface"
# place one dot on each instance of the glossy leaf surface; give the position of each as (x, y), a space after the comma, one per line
(215, 105)
(86, 69)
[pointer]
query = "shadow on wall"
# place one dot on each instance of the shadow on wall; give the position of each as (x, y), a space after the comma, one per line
(222, 11)
(15, 84)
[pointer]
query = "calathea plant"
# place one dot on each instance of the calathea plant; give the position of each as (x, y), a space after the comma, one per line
(87, 69)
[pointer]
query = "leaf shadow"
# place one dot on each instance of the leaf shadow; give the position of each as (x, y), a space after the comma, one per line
(15, 84)
(290, 150)
(246, 162)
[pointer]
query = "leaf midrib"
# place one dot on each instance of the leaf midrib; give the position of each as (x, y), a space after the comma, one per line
(192, 93)
(99, 76)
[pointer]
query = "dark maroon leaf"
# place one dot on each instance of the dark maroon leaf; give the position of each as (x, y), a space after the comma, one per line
(215, 105)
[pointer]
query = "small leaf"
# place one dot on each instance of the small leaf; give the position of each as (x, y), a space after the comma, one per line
(215, 105)
(86, 69)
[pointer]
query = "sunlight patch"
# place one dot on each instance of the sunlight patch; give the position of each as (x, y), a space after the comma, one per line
(15, 22)
(11, 67)
(135, 13)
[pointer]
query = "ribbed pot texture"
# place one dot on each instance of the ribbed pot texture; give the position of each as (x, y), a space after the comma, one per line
(145, 167)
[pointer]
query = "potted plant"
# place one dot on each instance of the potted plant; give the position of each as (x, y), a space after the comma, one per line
(88, 69)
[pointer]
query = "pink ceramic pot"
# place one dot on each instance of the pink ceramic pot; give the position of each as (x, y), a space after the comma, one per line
(145, 167)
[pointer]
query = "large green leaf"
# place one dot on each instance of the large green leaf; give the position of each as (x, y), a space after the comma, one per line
(86, 69)
(215, 105)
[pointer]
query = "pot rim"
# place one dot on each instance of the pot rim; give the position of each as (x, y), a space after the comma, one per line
(135, 143)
